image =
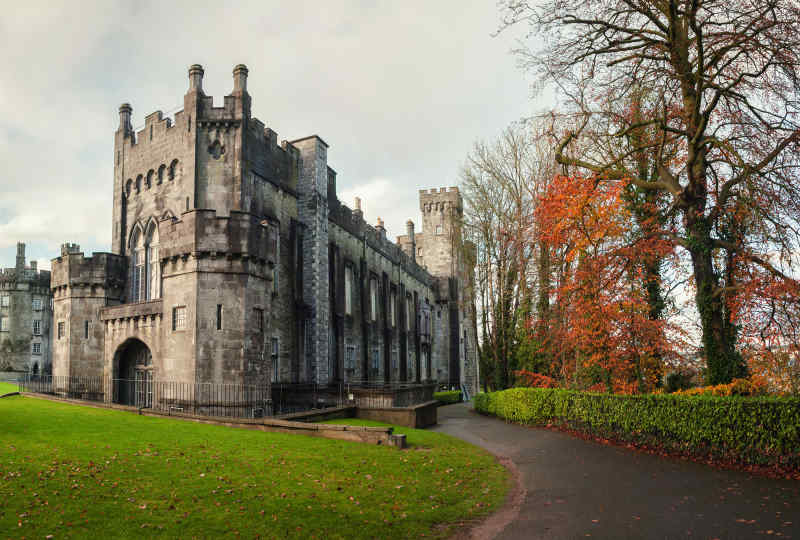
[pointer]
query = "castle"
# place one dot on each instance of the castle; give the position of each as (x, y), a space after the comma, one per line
(233, 261)
(25, 318)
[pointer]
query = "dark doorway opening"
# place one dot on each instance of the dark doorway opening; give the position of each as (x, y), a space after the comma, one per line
(133, 374)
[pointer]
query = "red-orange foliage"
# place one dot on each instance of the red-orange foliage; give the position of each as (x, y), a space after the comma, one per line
(603, 308)
(535, 380)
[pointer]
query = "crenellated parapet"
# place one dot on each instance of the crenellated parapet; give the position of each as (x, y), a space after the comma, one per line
(354, 223)
(72, 269)
(439, 200)
(201, 233)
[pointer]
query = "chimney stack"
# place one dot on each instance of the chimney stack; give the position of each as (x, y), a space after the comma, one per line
(196, 78)
(240, 79)
(125, 111)
(20, 258)
(358, 212)
(381, 229)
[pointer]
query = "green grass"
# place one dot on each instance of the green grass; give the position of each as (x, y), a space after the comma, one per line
(7, 387)
(72, 471)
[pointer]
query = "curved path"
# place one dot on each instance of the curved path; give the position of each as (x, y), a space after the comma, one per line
(573, 489)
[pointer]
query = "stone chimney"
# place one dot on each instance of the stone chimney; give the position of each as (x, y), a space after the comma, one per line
(20, 258)
(240, 79)
(380, 228)
(125, 112)
(196, 78)
(66, 249)
(358, 212)
(411, 240)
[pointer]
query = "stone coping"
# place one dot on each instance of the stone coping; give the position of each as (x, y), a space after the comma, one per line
(127, 311)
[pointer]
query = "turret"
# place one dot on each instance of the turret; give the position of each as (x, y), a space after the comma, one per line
(125, 112)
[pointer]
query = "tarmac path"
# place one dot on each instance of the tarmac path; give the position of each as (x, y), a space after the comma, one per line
(573, 488)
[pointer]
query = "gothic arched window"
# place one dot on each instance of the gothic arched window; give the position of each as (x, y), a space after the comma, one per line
(145, 280)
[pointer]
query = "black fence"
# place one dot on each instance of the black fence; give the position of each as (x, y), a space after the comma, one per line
(229, 400)
(205, 399)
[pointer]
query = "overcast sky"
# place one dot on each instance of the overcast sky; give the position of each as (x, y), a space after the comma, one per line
(399, 90)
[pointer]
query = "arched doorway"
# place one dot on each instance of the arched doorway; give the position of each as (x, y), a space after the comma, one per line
(133, 374)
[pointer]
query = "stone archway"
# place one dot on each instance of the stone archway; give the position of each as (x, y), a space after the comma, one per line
(133, 374)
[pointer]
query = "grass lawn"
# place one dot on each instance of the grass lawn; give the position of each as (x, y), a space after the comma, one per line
(7, 387)
(72, 471)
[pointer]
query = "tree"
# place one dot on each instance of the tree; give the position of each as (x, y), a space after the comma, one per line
(501, 183)
(723, 81)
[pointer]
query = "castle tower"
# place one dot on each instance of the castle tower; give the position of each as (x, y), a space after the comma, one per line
(441, 250)
(81, 288)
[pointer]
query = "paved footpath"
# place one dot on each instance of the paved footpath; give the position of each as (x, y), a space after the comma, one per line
(575, 488)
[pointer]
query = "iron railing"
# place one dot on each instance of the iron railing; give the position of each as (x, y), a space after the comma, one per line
(205, 399)
(229, 400)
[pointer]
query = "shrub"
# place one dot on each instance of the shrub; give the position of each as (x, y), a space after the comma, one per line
(450, 396)
(678, 380)
(760, 430)
(737, 387)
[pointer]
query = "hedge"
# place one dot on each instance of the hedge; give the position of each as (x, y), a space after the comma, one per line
(451, 396)
(759, 430)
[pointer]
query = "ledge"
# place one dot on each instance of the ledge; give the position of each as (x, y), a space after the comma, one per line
(129, 311)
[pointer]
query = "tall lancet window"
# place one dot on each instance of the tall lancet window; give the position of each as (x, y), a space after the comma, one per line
(145, 281)
(154, 265)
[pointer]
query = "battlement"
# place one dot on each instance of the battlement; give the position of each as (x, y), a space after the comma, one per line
(72, 268)
(440, 199)
(201, 232)
(353, 222)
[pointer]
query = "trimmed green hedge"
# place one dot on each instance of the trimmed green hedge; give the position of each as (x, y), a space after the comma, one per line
(762, 430)
(451, 396)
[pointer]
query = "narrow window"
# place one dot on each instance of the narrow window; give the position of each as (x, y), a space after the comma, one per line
(151, 132)
(4, 324)
(179, 318)
(376, 360)
(350, 358)
(60, 330)
(37, 304)
(4, 300)
(373, 303)
(438, 229)
(219, 316)
(37, 327)
(187, 204)
(393, 309)
(275, 279)
(258, 315)
(348, 290)
(85, 329)
(275, 348)
(190, 124)
(36, 348)
(409, 313)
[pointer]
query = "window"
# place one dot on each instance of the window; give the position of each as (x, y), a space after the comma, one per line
(376, 360)
(4, 324)
(258, 316)
(4, 300)
(60, 329)
(275, 348)
(179, 318)
(275, 279)
(348, 290)
(86, 329)
(145, 265)
(219, 316)
(393, 309)
(37, 304)
(373, 299)
(350, 357)
(395, 359)
(37, 327)
(409, 312)
(438, 229)
(36, 348)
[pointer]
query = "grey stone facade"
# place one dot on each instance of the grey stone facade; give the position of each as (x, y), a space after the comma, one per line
(233, 261)
(26, 315)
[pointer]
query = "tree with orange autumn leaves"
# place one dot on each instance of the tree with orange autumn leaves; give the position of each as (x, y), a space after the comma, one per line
(719, 120)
